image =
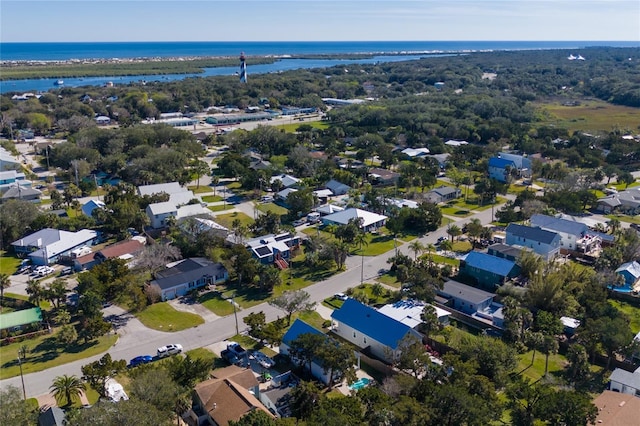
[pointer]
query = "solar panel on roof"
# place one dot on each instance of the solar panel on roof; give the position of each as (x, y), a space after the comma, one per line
(282, 237)
(263, 251)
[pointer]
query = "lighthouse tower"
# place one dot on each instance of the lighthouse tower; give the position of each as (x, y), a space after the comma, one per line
(243, 69)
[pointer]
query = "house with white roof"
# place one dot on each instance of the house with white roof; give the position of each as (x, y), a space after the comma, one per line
(286, 180)
(50, 245)
(8, 161)
(158, 213)
(369, 220)
(273, 249)
(11, 178)
(409, 312)
(168, 188)
(328, 209)
(453, 142)
(416, 152)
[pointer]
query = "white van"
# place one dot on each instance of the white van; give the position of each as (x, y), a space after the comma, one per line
(313, 217)
(79, 252)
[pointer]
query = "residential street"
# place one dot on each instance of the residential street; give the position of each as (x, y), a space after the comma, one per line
(135, 339)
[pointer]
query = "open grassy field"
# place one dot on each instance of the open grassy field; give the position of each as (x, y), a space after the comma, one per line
(589, 116)
(8, 264)
(211, 198)
(536, 371)
(272, 207)
(161, 316)
(227, 219)
(203, 189)
(293, 127)
(44, 353)
(630, 311)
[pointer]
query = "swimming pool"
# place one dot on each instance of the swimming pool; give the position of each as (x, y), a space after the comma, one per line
(360, 383)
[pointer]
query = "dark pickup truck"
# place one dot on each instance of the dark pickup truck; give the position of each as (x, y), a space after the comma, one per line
(230, 357)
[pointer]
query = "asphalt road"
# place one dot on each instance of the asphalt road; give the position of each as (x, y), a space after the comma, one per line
(135, 339)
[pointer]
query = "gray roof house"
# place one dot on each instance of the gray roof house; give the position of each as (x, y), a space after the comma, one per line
(52, 416)
(472, 301)
(185, 275)
(443, 194)
(625, 382)
(570, 232)
(337, 188)
(627, 201)
(287, 180)
(19, 192)
(545, 243)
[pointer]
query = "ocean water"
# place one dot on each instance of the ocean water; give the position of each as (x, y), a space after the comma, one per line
(384, 51)
(66, 51)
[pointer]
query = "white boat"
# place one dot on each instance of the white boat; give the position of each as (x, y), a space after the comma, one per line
(59, 83)
(571, 58)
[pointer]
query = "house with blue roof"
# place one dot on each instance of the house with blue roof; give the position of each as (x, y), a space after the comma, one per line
(488, 271)
(570, 231)
(91, 205)
(365, 327)
(542, 242)
(630, 272)
(298, 328)
(499, 168)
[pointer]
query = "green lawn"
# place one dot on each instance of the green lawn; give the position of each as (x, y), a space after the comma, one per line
(293, 127)
(203, 189)
(44, 304)
(462, 246)
(227, 219)
(220, 208)
(312, 318)
(536, 371)
(389, 279)
(385, 296)
(162, 316)
(630, 311)
(234, 185)
(44, 353)
(377, 243)
(8, 264)
(446, 260)
(271, 207)
(211, 198)
(202, 353)
(454, 211)
(625, 218)
(216, 303)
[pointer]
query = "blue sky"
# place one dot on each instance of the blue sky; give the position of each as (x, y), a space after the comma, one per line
(235, 20)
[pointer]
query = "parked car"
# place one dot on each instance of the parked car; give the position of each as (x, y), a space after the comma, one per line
(299, 222)
(341, 296)
(230, 357)
(142, 359)
(165, 351)
(441, 239)
(266, 199)
(43, 271)
(67, 270)
(237, 349)
(262, 359)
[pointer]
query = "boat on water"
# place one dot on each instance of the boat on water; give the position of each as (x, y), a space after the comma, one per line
(59, 83)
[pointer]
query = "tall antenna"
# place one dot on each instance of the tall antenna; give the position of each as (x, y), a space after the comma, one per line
(243, 68)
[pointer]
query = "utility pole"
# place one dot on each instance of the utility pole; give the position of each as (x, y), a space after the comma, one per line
(24, 392)
(235, 313)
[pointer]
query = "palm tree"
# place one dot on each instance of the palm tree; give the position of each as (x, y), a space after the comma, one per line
(417, 248)
(215, 180)
(430, 248)
(446, 245)
(454, 231)
(361, 240)
(67, 387)
(5, 282)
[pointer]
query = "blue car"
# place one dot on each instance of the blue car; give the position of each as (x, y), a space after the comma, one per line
(142, 359)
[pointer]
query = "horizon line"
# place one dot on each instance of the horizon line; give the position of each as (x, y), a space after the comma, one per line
(322, 41)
